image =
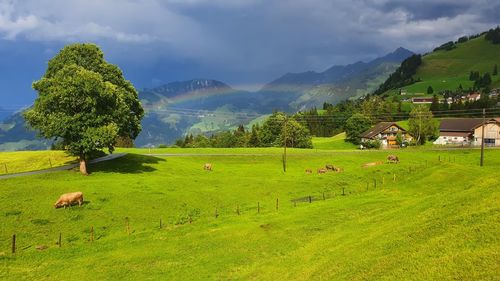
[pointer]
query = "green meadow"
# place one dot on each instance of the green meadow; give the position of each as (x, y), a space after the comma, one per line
(23, 161)
(336, 142)
(433, 216)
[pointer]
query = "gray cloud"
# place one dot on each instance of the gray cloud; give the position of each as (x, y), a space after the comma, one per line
(246, 41)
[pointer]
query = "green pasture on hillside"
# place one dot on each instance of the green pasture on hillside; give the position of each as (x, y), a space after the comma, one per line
(446, 70)
(336, 142)
(23, 161)
(420, 219)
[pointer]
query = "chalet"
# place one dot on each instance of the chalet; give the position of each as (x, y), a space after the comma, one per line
(421, 100)
(473, 96)
(386, 133)
(467, 131)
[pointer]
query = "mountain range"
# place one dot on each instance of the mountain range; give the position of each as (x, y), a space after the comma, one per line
(203, 106)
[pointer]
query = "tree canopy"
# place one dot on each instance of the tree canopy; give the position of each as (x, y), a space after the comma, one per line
(355, 126)
(421, 123)
(85, 102)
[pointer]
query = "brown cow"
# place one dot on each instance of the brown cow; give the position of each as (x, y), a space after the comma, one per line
(338, 169)
(393, 159)
(309, 171)
(207, 166)
(69, 199)
(321, 171)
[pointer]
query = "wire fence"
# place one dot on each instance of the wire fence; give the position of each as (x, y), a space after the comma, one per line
(378, 180)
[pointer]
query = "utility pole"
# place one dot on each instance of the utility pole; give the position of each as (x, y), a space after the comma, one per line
(284, 145)
(482, 137)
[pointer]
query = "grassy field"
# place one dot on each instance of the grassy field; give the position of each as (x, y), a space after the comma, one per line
(436, 221)
(22, 161)
(336, 142)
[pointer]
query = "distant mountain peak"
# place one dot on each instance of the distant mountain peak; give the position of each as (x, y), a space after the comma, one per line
(336, 73)
(397, 55)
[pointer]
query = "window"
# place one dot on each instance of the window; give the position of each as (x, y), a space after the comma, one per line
(489, 142)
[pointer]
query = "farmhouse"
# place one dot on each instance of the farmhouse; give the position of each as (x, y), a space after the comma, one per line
(473, 96)
(386, 133)
(467, 131)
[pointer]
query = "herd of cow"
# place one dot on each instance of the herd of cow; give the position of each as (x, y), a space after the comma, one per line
(327, 168)
(69, 199)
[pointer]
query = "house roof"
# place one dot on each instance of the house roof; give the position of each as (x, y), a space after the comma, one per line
(421, 99)
(377, 129)
(464, 124)
(455, 134)
(459, 124)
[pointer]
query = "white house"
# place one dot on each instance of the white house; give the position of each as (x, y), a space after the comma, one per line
(467, 131)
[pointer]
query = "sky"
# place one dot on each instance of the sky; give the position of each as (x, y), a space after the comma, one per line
(244, 43)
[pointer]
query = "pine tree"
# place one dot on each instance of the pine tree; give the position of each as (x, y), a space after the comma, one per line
(435, 103)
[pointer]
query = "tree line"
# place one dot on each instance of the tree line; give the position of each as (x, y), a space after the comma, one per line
(278, 129)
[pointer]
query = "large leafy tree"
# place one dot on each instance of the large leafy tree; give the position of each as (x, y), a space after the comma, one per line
(421, 124)
(296, 135)
(85, 102)
(355, 126)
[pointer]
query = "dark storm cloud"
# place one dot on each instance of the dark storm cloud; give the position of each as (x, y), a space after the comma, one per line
(240, 42)
(428, 10)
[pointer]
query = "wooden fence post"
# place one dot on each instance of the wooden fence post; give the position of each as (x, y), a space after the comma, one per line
(374, 183)
(277, 204)
(238, 209)
(258, 207)
(5, 166)
(128, 226)
(60, 239)
(92, 234)
(13, 243)
(160, 224)
(324, 198)
(310, 199)
(216, 214)
(343, 191)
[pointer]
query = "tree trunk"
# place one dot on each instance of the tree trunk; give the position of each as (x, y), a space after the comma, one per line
(83, 165)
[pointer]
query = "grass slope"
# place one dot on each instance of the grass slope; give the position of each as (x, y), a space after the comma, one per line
(446, 70)
(437, 221)
(23, 161)
(336, 142)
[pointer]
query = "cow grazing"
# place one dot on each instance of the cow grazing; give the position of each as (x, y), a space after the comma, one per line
(207, 166)
(393, 159)
(309, 171)
(69, 199)
(321, 171)
(338, 169)
(330, 167)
